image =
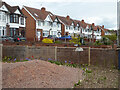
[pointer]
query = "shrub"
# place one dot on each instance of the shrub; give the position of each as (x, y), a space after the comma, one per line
(46, 40)
(58, 42)
(75, 40)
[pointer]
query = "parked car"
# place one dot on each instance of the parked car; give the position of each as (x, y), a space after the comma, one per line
(6, 38)
(65, 37)
(19, 38)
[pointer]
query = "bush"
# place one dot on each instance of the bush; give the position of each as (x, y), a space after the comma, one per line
(46, 40)
(58, 42)
(97, 43)
(75, 40)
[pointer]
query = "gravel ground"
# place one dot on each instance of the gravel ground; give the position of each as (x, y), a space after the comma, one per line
(39, 74)
(100, 78)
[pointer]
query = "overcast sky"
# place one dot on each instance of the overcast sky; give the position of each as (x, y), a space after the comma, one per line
(100, 12)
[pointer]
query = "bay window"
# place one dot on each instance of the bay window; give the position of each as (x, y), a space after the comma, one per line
(14, 18)
(22, 20)
(45, 33)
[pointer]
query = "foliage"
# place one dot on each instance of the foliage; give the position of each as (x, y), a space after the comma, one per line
(78, 83)
(46, 40)
(58, 42)
(66, 64)
(75, 40)
(112, 37)
(13, 60)
(97, 43)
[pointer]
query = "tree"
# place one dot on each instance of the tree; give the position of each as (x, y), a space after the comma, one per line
(112, 37)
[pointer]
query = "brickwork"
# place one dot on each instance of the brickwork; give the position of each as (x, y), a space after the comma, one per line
(100, 57)
(0, 52)
(30, 26)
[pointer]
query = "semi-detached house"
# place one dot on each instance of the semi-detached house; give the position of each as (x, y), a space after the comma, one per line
(12, 20)
(41, 23)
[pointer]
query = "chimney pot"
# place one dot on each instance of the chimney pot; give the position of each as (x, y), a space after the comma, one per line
(68, 17)
(82, 21)
(102, 26)
(93, 24)
(43, 9)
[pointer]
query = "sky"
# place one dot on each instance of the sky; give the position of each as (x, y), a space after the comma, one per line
(100, 12)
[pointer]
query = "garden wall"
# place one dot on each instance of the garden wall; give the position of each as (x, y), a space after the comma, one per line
(102, 57)
(0, 52)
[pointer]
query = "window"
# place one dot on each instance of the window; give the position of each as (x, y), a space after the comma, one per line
(14, 18)
(66, 27)
(0, 16)
(47, 23)
(54, 24)
(71, 27)
(58, 24)
(0, 31)
(12, 31)
(45, 33)
(3, 18)
(39, 23)
(76, 28)
(22, 20)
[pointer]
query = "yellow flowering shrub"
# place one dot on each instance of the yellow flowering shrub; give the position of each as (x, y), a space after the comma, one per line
(46, 40)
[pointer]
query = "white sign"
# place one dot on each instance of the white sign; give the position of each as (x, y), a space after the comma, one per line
(79, 49)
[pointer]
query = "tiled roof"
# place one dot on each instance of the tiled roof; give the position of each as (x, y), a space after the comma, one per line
(11, 9)
(65, 20)
(39, 14)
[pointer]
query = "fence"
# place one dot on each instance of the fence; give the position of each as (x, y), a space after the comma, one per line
(103, 57)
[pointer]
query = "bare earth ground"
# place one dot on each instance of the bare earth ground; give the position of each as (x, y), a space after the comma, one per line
(39, 74)
(101, 78)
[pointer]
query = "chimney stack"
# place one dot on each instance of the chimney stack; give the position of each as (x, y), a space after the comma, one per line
(93, 24)
(82, 21)
(68, 17)
(103, 26)
(43, 9)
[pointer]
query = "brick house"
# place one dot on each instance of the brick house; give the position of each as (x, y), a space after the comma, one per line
(12, 20)
(40, 23)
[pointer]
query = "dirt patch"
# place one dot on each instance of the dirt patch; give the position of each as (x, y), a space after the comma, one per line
(100, 78)
(39, 74)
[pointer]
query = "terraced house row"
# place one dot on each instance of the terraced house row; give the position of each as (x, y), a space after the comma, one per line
(36, 24)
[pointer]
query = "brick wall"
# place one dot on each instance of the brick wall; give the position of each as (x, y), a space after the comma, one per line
(30, 26)
(41, 52)
(14, 51)
(0, 52)
(100, 57)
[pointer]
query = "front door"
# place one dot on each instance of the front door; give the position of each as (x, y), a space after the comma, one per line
(38, 35)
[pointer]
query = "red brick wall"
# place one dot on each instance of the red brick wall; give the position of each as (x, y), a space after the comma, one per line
(102, 33)
(63, 29)
(30, 26)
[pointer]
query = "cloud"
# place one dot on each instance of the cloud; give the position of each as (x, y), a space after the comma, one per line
(108, 22)
(101, 12)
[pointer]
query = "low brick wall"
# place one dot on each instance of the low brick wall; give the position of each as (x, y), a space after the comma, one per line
(102, 57)
(1, 52)
(18, 52)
